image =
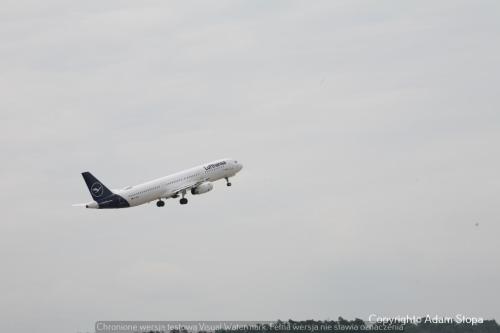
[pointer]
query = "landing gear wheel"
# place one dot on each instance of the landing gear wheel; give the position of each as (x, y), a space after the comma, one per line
(160, 203)
(228, 184)
(183, 201)
(227, 181)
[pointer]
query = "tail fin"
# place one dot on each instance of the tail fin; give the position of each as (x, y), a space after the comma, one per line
(96, 188)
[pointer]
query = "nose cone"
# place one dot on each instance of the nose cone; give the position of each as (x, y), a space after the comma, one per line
(240, 166)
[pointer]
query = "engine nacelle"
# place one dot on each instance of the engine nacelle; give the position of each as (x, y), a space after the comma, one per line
(202, 188)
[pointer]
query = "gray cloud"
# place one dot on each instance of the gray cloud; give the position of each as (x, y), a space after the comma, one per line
(369, 135)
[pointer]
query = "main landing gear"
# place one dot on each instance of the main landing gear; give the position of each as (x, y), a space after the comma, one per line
(228, 183)
(183, 200)
(160, 203)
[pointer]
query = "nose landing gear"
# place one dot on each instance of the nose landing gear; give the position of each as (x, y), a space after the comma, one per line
(228, 183)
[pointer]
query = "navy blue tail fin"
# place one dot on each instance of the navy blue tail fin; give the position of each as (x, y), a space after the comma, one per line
(96, 188)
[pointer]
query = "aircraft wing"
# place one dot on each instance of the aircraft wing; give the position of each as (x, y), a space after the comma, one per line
(185, 187)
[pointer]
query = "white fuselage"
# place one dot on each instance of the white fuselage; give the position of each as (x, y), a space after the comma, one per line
(178, 183)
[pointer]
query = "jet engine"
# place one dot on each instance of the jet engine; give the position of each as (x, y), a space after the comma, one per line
(202, 188)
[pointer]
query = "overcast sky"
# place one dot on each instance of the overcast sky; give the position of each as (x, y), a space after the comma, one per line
(369, 133)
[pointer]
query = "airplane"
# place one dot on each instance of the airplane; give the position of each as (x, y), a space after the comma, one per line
(197, 180)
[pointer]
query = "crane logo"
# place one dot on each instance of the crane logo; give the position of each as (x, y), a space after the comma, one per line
(97, 189)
